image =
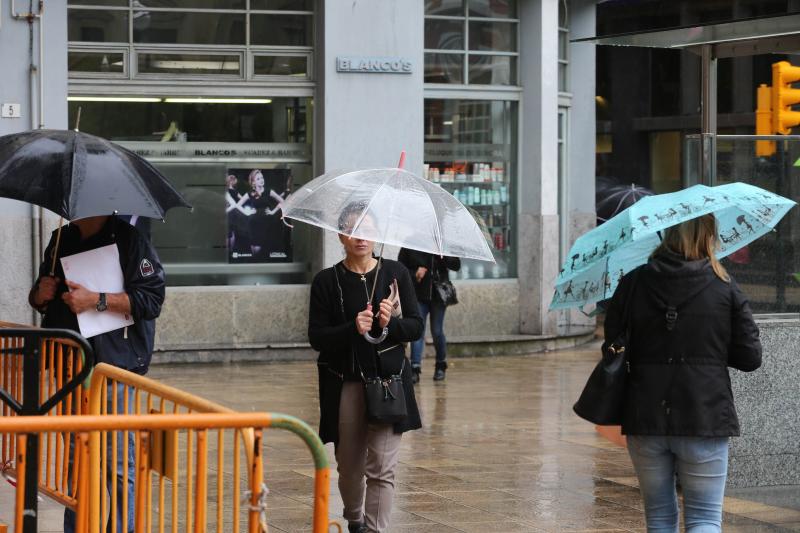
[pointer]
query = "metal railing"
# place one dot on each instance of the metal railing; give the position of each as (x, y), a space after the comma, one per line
(181, 478)
(88, 465)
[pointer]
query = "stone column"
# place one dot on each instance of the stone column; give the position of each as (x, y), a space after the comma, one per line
(537, 221)
(366, 119)
(582, 136)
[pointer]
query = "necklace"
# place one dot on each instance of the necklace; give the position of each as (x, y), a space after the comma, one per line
(363, 276)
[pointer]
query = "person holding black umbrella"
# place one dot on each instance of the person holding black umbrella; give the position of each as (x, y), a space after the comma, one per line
(131, 348)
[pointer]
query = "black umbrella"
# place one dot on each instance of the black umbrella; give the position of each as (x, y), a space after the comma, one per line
(77, 175)
(612, 198)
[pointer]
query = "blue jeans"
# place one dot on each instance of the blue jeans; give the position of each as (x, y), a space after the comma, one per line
(69, 515)
(702, 467)
(436, 310)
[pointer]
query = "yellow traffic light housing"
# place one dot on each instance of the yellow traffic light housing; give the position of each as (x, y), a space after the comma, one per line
(764, 121)
(784, 97)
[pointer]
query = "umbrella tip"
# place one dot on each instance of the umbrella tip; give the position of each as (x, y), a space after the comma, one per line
(402, 161)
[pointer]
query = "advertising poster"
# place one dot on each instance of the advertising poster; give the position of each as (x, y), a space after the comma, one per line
(256, 233)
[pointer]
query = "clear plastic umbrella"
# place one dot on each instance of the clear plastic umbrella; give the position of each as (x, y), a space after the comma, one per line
(393, 206)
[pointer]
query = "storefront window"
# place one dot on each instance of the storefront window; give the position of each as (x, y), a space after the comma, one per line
(470, 150)
(96, 62)
(97, 26)
(235, 163)
(279, 44)
(465, 43)
(563, 47)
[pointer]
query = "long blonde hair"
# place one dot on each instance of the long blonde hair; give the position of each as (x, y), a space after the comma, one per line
(695, 239)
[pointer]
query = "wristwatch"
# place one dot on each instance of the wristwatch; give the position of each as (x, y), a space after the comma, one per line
(101, 302)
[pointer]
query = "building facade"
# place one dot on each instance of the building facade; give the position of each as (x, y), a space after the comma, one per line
(648, 119)
(239, 102)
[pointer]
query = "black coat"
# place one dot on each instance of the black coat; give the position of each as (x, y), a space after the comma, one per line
(679, 383)
(334, 336)
(130, 348)
(438, 270)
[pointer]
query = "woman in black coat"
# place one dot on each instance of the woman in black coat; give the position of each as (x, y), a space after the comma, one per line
(425, 269)
(689, 323)
(340, 314)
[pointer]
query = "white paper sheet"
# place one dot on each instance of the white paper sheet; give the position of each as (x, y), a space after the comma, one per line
(98, 270)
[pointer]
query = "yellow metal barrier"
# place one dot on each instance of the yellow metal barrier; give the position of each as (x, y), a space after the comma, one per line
(89, 428)
(59, 361)
(74, 463)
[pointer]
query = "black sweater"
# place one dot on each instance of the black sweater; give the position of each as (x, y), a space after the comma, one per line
(333, 333)
(679, 383)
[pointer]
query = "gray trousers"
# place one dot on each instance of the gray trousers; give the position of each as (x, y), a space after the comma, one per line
(366, 458)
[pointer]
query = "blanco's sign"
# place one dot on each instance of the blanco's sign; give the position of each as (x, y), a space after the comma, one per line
(374, 65)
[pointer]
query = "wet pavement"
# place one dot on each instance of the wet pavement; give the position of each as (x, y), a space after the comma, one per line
(500, 451)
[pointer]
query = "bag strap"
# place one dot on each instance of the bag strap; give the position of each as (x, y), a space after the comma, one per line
(356, 362)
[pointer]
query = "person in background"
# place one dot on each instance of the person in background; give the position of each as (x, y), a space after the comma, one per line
(131, 348)
(340, 315)
(689, 322)
(426, 270)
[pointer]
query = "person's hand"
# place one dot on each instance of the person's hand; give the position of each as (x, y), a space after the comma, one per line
(421, 271)
(79, 298)
(385, 312)
(46, 290)
(364, 320)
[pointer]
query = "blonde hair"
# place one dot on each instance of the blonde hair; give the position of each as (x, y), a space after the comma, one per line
(695, 239)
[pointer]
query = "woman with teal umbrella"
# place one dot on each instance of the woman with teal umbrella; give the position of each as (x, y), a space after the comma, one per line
(688, 323)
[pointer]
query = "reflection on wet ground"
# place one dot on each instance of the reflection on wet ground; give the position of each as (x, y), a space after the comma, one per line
(500, 451)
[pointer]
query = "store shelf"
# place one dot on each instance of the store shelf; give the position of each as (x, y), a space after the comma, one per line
(471, 183)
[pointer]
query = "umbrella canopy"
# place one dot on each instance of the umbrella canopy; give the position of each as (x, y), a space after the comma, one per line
(77, 175)
(394, 207)
(613, 199)
(599, 258)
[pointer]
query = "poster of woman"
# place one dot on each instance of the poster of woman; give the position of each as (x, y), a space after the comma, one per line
(256, 231)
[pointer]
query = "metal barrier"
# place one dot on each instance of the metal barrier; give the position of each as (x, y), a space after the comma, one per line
(147, 428)
(41, 374)
(114, 390)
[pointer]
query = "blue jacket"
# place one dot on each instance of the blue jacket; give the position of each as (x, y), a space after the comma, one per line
(130, 348)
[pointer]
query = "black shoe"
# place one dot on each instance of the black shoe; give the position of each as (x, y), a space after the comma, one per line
(438, 375)
(415, 372)
(356, 527)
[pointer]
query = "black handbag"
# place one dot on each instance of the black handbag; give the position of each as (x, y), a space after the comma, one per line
(602, 401)
(446, 291)
(385, 398)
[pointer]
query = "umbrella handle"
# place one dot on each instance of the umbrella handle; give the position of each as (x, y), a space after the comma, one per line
(55, 249)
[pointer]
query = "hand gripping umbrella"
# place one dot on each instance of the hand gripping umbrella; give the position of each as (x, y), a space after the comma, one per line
(77, 175)
(598, 259)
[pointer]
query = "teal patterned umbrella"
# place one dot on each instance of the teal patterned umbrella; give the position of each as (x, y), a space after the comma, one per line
(599, 258)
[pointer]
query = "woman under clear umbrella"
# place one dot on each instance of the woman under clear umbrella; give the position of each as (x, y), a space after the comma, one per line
(361, 336)
(689, 322)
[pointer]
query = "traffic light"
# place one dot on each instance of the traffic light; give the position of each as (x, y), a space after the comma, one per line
(764, 121)
(784, 97)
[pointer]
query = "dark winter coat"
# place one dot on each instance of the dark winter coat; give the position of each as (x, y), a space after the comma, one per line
(679, 383)
(438, 270)
(130, 348)
(335, 335)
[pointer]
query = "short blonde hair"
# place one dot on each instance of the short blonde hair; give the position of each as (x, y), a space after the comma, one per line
(695, 239)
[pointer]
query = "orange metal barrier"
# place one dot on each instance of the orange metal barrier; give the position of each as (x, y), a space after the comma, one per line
(59, 361)
(89, 428)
